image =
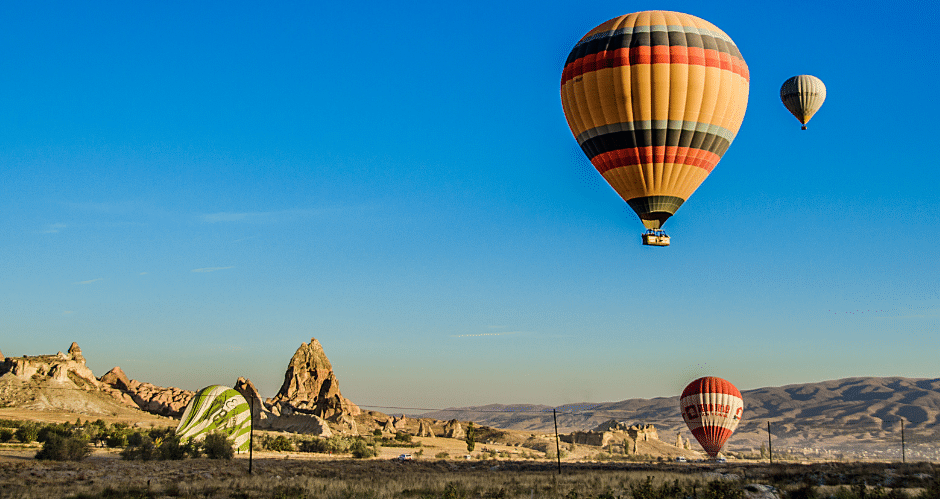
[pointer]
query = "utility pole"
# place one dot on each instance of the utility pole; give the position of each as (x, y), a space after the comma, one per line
(770, 444)
(251, 430)
(902, 442)
(557, 445)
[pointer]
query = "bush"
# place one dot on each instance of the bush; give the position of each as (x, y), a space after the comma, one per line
(6, 434)
(218, 446)
(27, 433)
(360, 449)
(442, 455)
(142, 448)
(116, 438)
(58, 448)
(403, 437)
(279, 444)
(49, 430)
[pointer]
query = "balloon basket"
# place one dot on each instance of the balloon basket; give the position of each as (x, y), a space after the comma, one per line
(654, 237)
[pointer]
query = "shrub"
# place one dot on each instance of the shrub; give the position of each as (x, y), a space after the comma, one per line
(279, 444)
(6, 434)
(142, 448)
(218, 446)
(360, 449)
(58, 448)
(442, 455)
(403, 437)
(116, 438)
(27, 433)
(47, 431)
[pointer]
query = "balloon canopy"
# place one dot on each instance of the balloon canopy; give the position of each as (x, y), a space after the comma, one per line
(712, 408)
(803, 95)
(216, 409)
(654, 99)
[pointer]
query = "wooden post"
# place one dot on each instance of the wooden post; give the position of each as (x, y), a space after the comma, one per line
(770, 444)
(557, 445)
(902, 442)
(251, 430)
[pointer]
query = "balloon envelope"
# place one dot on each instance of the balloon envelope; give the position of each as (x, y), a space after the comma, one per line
(216, 409)
(803, 95)
(654, 99)
(712, 408)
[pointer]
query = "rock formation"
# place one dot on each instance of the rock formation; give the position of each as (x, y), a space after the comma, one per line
(68, 368)
(145, 396)
(452, 429)
(116, 379)
(2, 358)
(424, 429)
(389, 427)
(310, 387)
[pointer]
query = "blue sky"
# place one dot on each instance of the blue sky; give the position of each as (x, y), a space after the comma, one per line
(192, 191)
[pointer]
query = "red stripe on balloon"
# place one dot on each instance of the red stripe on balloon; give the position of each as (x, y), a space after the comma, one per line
(658, 54)
(655, 155)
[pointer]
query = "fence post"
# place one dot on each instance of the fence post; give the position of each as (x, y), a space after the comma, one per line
(251, 430)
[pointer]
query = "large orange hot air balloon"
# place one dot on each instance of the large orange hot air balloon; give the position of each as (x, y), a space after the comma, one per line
(654, 99)
(712, 408)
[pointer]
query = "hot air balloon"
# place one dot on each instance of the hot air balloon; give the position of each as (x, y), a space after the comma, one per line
(216, 408)
(803, 95)
(712, 408)
(654, 99)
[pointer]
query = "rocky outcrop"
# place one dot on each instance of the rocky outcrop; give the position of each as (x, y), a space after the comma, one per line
(2, 358)
(310, 387)
(301, 423)
(452, 429)
(424, 429)
(389, 427)
(146, 396)
(68, 368)
(117, 379)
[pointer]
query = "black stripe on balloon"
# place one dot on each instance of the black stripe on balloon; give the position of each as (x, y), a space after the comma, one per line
(647, 207)
(669, 137)
(617, 40)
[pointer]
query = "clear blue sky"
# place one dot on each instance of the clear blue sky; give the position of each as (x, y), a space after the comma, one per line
(190, 191)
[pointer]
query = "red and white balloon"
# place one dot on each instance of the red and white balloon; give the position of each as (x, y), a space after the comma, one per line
(712, 408)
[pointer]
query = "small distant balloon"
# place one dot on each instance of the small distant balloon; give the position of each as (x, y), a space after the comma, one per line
(803, 95)
(712, 408)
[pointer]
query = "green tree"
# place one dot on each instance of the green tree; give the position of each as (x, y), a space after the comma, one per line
(471, 437)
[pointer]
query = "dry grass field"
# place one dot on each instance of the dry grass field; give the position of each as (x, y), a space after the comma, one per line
(301, 475)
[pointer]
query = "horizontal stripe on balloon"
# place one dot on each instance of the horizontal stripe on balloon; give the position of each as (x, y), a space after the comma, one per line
(671, 35)
(617, 57)
(639, 156)
(710, 384)
(681, 141)
(643, 125)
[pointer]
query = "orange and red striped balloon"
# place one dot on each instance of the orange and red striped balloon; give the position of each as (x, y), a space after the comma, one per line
(654, 99)
(712, 408)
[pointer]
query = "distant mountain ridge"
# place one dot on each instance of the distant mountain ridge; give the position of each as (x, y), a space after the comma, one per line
(837, 413)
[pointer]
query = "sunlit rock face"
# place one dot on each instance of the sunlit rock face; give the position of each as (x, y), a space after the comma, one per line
(310, 387)
(67, 368)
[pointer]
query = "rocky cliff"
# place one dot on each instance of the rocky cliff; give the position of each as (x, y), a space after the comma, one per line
(68, 369)
(310, 387)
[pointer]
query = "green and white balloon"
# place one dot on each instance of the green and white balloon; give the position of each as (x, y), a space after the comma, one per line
(220, 409)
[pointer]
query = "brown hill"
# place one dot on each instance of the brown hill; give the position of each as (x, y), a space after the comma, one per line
(861, 416)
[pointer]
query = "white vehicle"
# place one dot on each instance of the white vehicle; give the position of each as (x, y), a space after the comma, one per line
(405, 457)
(680, 459)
